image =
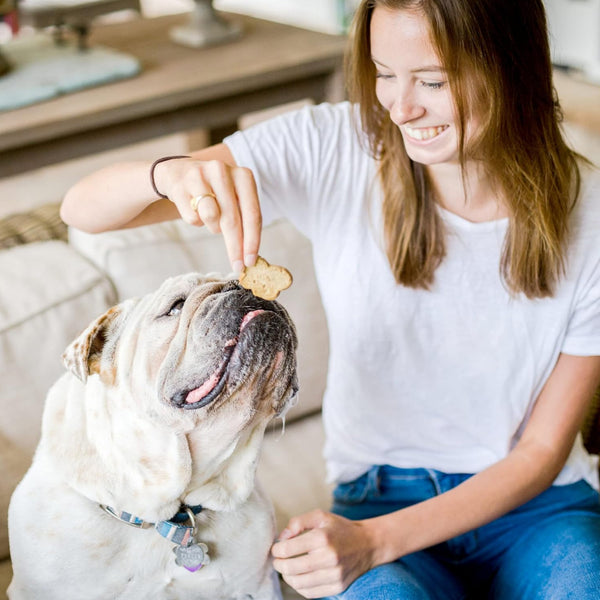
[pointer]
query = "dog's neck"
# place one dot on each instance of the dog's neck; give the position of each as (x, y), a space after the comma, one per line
(146, 469)
(122, 461)
(225, 483)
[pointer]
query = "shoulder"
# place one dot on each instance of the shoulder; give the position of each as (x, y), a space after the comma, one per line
(586, 215)
(329, 121)
(584, 249)
(339, 119)
(327, 114)
(311, 127)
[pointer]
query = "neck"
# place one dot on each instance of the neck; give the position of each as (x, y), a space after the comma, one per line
(225, 481)
(471, 196)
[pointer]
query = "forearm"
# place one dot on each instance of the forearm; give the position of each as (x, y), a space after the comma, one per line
(523, 474)
(110, 198)
(530, 467)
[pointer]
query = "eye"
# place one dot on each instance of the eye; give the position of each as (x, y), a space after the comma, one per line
(433, 85)
(385, 76)
(176, 308)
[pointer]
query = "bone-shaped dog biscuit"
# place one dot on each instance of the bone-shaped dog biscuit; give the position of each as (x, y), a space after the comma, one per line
(265, 280)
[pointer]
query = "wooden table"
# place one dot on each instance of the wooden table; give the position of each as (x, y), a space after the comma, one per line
(179, 89)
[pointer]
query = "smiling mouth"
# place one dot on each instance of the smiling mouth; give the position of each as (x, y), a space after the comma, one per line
(205, 393)
(424, 133)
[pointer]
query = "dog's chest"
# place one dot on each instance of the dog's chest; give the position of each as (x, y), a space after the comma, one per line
(145, 567)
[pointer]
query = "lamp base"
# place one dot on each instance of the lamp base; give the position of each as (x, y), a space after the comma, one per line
(205, 28)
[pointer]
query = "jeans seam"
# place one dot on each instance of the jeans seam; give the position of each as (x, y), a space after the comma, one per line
(434, 480)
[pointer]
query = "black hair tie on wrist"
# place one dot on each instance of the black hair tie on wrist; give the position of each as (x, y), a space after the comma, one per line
(156, 162)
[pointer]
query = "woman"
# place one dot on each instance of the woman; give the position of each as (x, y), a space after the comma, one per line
(455, 244)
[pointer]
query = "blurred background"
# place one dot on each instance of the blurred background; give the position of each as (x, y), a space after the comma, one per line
(575, 39)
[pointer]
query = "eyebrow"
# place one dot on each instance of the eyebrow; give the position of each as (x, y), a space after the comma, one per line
(423, 69)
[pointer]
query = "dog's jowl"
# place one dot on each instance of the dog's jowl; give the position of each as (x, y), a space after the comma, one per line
(143, 484)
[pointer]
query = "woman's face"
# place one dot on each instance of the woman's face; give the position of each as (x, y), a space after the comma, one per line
(412, 85)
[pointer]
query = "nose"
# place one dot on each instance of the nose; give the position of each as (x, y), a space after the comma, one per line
(404, 108)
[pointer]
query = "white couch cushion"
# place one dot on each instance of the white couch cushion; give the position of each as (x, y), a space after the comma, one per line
(139, 260)
(292, 472)
(6, 576)
(292, 469)
(48, 295)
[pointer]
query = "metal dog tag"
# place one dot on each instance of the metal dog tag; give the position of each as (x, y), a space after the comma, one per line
(193, 557)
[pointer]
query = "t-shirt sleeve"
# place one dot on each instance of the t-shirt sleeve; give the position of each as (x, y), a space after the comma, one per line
(583, 331)
(295, 158)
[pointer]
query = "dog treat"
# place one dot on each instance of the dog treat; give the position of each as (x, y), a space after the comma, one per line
(265, 280)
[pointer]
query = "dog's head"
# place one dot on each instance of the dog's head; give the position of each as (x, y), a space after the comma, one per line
(185, 380)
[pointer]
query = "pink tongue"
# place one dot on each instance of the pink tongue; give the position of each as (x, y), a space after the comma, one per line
(249, 318)
(209, 385)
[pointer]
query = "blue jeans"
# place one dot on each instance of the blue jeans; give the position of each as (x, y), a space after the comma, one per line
(547, 549)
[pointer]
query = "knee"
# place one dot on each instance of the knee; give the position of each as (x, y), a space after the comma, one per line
(562, 560)
(389, 591)
(385, 584)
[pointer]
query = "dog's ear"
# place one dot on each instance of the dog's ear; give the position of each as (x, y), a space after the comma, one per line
(82, 356)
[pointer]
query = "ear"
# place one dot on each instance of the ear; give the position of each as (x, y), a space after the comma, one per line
(82, 356)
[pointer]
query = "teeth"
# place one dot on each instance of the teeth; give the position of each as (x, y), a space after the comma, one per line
(424, 133)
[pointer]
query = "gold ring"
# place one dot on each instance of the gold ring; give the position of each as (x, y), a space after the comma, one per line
(196, 200)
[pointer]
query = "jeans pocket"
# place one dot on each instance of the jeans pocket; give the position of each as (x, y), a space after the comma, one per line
(353, 492)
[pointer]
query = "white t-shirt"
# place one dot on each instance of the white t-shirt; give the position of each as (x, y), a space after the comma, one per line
(442, 379)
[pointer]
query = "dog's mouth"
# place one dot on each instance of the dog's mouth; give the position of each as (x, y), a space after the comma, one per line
(209, 390)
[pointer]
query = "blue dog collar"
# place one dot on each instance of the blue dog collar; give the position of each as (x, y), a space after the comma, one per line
(173, 529)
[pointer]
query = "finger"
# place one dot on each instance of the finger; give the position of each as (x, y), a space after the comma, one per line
(230, 221)
(318, 584)
(306, 563)
(245, 187)
(186, 180)
(309, 520)
(308, 541)
(182, 201)
(208, 210)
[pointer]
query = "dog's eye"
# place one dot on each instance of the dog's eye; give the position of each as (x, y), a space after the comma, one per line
(176, 308)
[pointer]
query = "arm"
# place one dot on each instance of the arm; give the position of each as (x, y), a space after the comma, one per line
(321, 554)
(121, 196)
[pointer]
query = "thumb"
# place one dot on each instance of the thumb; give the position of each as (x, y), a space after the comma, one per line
(296, 525)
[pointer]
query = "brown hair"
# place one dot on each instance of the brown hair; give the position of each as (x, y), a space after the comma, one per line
(500, 49)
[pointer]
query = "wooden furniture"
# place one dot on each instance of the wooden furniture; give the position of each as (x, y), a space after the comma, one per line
(179, 89)
(77, 16)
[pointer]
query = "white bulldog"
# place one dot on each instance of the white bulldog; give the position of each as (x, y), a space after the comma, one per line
(143, 484)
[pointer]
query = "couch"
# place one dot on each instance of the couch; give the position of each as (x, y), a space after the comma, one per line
(53, 284)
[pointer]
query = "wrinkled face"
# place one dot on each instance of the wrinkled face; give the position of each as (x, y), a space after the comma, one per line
(413, 86)
(203, 347)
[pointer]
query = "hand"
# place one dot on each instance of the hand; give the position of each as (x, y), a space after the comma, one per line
(321, 554)
(227, 201)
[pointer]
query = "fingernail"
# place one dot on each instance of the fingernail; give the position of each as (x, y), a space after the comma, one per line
(238, 266)
(249, 259)
(284, 535)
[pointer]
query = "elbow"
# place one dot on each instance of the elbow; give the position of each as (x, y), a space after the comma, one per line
(72, 215)
(546, 460)
(65, 211)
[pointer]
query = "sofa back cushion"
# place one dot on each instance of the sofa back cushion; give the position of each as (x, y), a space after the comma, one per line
(49, 293)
